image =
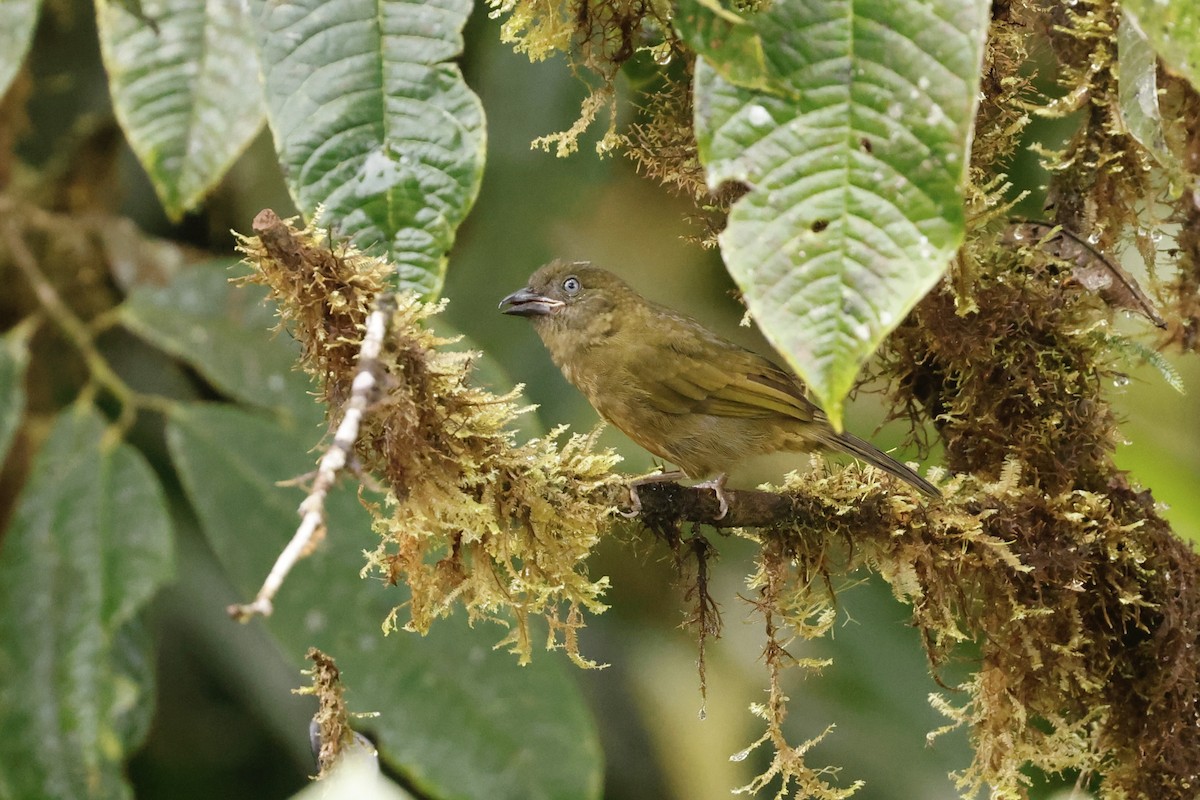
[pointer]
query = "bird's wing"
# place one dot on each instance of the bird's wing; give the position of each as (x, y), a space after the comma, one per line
(703, 374)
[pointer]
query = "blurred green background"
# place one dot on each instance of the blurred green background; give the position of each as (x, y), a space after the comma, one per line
(534, 207)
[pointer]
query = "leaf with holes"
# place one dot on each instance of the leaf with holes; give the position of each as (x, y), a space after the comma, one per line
(186, 91)
(854, 149)
(374, 124)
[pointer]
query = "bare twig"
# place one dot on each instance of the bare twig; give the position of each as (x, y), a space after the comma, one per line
(75, 329)
(312, 509)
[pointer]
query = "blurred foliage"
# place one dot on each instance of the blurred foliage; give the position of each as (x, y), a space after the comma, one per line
(144, 410)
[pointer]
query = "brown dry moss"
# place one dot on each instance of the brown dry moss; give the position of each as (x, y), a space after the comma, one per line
(662, 144)
(1020, 376)
(1080, 604)
(332, 720)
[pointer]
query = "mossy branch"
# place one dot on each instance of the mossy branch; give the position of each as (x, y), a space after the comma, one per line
(1082, 602)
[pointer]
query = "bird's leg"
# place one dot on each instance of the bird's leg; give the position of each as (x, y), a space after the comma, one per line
(717, 484)
(653, 477)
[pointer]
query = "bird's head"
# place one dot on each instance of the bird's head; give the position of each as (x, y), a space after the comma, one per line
(568, 294)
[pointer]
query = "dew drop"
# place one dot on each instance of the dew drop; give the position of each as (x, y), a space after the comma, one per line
(758, 115)
(741, 755)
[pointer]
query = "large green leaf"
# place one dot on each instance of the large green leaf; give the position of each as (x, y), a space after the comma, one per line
(187, 95)
(223, 332)
(853, 140)
(371, 122)
(457, 718)
(1173, 28)
(90, 543)
(18, 18)
(14, 357)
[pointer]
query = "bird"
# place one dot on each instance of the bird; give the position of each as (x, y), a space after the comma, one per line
(676, 388)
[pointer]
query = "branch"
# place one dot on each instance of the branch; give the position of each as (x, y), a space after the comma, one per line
(748, 508)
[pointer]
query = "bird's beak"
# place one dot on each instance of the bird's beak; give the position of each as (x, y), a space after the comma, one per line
(528, 303)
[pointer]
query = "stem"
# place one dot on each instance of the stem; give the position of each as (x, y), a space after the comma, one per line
(75, 329)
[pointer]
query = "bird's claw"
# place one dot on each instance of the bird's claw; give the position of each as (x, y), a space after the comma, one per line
(717, 484)
(653, 477)
(635, 502)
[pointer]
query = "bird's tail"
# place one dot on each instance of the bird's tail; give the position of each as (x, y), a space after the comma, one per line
(868, 452)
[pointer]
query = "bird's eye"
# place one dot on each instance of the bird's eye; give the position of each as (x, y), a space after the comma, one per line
(572, 285)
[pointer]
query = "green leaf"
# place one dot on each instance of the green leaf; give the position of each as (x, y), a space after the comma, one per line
(14, 357)
(457, 718)
(223, 331)
(1137, 94)
(854, 157)
(731, 44)
(372, 123)
(1173, 28)
(90, 543)
(18, 18)
(187, 94)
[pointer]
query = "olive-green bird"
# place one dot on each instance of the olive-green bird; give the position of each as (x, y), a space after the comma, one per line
(673, 386)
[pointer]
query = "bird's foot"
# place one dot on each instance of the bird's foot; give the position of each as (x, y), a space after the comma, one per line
(635, 502)
(717, 484)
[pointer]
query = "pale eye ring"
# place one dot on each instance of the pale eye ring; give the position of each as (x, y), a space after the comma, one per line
(571, 285)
